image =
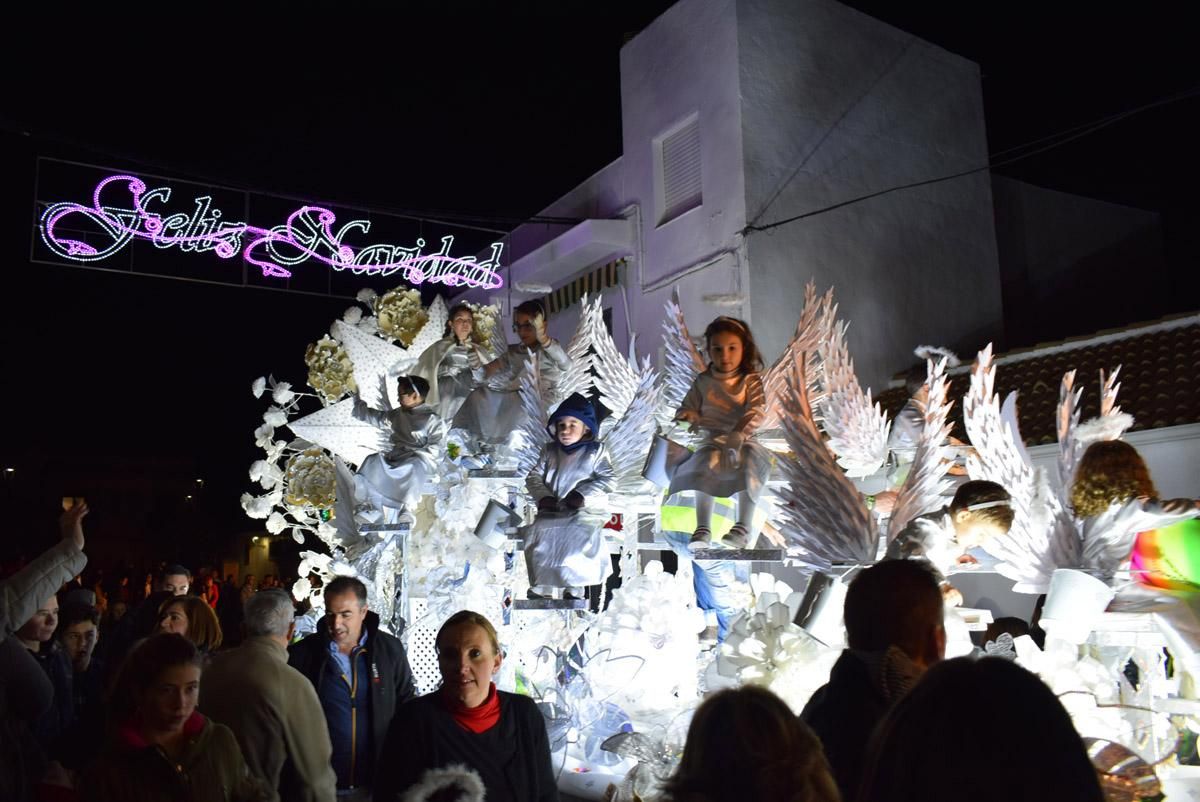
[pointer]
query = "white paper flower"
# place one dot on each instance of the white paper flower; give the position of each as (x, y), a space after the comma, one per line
(298, 536)
(257, 506)
(366, 295)
(259, 386)
(301, 589)
(266, 474)
(275, 416)
(311, 479)
(276, 523)
(263, 435)
(352, 315)
(283, 393)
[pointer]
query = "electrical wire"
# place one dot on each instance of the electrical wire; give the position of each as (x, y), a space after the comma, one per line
(1055, 140)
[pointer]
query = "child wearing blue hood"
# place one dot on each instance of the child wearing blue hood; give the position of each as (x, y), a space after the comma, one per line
(564, 546)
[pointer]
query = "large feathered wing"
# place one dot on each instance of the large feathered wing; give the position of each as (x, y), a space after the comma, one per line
(682, 361)
(1042, 537)
(373, 358)
(926, 484)
(1065, 423)
(858, 429)
(616, 377)
(577, 378)
(811, 332)
(336, 429)
(533, 434)
(824, 519)
(630, 437)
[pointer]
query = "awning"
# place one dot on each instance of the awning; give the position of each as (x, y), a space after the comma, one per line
(591, 283)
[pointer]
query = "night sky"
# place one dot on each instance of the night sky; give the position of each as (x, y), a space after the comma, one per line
(129, 388)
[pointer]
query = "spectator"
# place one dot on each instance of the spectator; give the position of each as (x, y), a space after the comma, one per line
(893, 614)
(176, 580)
(271, 707)
(248, 588)
(355, 667)
(161, 748)
(26, 693)
(268, 582)
(746, 744)
(37, 636)
(499, 737)
(116, 611)
(147, 587)
(78, 633)
(229, 612)
(212, 592)
(980, 730)
(143, 620)
(192, 617)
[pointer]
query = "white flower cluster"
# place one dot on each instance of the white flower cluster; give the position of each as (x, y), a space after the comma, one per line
(763, 647)
(648, 637)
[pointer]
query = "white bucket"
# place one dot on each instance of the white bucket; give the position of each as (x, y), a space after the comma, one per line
(664, 457)
(493, 523)
(1074, 604)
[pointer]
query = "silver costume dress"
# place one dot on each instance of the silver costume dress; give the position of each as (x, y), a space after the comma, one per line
(930, 537)
(396, 479)
(446, 365)
(735, 404)
(566, 549)
(493, 410)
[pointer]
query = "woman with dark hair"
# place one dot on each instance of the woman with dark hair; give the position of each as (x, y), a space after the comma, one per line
(453, 365)
(746, 744)
(191, 617)
(161, 749)
(978, 731)
(467, 735)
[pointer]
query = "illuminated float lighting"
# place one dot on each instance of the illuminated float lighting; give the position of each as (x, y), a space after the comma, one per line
(308, 234)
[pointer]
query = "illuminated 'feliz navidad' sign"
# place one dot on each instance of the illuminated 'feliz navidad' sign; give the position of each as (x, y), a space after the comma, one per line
(308, 234)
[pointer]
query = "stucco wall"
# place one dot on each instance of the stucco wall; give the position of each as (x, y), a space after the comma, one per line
(835, 105)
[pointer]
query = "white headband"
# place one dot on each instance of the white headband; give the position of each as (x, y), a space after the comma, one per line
(983, 505)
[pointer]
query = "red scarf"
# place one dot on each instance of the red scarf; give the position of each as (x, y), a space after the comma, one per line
(476, 719)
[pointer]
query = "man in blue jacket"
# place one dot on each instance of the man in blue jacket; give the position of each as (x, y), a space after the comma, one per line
(361, 675)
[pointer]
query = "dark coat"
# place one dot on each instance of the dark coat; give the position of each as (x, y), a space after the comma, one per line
(391, 677)
(210, 769)
(512, 758)
(843, 713)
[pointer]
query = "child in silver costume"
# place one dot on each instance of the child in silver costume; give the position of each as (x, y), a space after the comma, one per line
(726, 402)
(564, 546)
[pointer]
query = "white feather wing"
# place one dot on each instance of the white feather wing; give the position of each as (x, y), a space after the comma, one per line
(577, 378)
(617, 378)
(533, 434)
(630, 437)
(1041, 537)
(682, 361)
(433, 330)
(811, 332)
(824, 520)
(926, 483)
(858, 429)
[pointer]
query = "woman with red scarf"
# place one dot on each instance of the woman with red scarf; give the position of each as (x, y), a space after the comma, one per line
(466, 734)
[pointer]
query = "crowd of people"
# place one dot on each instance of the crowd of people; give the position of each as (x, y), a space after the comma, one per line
(164, 712)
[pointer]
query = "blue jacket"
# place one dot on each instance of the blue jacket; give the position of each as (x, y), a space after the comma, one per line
(359, 708)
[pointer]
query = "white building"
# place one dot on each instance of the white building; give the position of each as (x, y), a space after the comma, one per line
(744, 112)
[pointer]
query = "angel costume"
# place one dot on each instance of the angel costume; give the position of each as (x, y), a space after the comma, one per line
(1108, 538)
(565, 548)
(446, 365)
(493, 411)
(728, 406)
(394, 480)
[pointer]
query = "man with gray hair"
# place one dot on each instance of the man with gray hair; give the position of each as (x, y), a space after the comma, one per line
(270, 706)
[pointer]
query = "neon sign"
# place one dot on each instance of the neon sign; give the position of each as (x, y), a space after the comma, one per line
(308, 234)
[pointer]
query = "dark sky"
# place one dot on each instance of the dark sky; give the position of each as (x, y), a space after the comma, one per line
(488, 109)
